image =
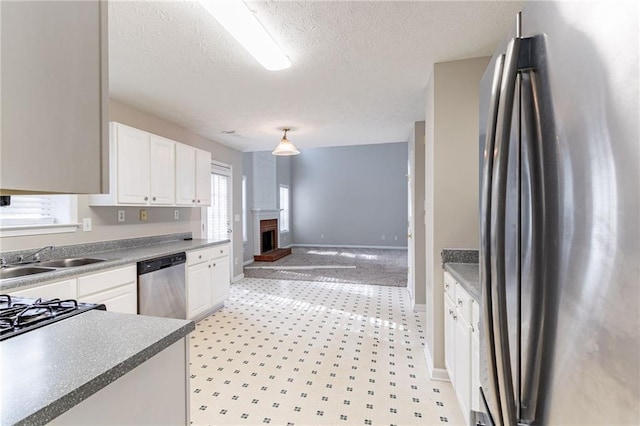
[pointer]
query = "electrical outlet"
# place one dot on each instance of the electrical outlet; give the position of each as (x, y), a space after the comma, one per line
(86, 224)
(383, 238)
(143, 215)
(176, 214)
(120, 215)
(236, 261)
(395, 238)
(322, 236)
(237, 217)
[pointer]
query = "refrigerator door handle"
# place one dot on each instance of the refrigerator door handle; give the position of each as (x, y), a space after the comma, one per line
(485, 240)
(498, 235)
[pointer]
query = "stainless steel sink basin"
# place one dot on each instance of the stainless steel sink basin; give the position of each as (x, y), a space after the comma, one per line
(71, 262)
(21, 271)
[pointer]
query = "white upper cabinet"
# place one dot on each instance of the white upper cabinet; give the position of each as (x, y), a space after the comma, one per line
(193, 176)
(162, 159)
(185, 175)
(132, 164)
(54, 97)
(149, 170)
(203, 177)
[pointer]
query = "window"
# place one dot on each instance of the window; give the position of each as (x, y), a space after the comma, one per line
(284, 208)
(39, 214)
(244, 208)
(219, 214)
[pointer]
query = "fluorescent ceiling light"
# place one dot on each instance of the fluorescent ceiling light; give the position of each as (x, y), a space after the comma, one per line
(236, 17)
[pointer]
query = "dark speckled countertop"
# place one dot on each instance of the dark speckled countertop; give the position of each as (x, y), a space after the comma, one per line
(118, 253)
(53, 368)
(468, 276)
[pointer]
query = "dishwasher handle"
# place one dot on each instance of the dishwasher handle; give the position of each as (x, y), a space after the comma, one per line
(152, 265)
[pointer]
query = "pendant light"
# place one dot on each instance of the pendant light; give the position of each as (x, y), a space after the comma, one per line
(285, 147)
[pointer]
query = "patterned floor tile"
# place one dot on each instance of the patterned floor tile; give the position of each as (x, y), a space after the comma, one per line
(315, 353)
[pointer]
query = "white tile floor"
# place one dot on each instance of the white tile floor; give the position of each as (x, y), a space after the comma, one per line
(310, 353)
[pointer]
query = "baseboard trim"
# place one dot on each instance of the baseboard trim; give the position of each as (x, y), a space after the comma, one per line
(237, 278)
(247, 262)
(420, 307)
(437, 374)
(348, 246)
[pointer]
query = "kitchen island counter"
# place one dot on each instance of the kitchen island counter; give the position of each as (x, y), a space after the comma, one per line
(47, 371)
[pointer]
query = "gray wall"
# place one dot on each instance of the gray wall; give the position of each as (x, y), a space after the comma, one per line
(451, 182)
(351, 195)
(247, 170)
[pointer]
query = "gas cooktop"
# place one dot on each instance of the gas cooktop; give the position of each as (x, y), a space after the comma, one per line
(19, 315)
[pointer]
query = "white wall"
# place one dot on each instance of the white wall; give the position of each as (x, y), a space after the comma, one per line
(451, 181)
(160, 219)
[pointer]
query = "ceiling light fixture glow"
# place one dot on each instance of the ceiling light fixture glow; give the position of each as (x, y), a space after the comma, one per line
(285, 147)
(236, 17)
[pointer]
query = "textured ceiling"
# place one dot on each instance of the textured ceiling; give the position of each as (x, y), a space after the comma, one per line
(359, 73)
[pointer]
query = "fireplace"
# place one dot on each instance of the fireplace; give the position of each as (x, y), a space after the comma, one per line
(268, 235)
(267, 249)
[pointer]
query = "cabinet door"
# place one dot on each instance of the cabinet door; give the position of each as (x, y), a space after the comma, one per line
(54, 95)
(199, 289)
(449, 338)
(463, 366)
(203, 178)
(475, 370)
(162, 170)
(123, 299)
(132, 154)
(185, 175)
(221, 280)
(61, 290)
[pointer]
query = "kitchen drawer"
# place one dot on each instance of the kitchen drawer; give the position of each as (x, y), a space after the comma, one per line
(61, 289)
(220, 251)
(198, 256)
(101, 281)
(449, 285)
(123, 299)
(463, 303)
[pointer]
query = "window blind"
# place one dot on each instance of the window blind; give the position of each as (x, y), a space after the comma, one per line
(218, 214)
(28, 210)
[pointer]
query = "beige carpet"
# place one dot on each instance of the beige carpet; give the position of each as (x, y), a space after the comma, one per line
(372, 266)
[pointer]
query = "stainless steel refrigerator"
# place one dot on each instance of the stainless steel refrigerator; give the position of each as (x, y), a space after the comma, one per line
(560, 218)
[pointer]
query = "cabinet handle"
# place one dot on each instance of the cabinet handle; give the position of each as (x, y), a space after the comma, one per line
(214, 265)
(446, 285)
(193, 201)
(209, 266)
(455, 317)
(460, 302)
(221, 251)
(154, 198)
(200, 257)
(146, 198)
(198, 201)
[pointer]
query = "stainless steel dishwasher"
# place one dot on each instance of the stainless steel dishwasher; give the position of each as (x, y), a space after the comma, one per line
(162, 287)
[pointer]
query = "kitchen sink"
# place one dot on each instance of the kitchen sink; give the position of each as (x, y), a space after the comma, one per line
(21, 271)
(71, 262)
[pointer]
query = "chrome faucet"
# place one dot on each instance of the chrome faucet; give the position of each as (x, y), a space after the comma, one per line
(35, 255)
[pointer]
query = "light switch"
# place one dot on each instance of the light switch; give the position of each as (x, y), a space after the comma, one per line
(237, 217)
(86, 224)
(120, 215)
(143, 214)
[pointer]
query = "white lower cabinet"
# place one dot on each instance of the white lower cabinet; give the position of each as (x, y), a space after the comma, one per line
(199, 288)
(208, 280)
(461, 344)
(117, 289)
(58, 289)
